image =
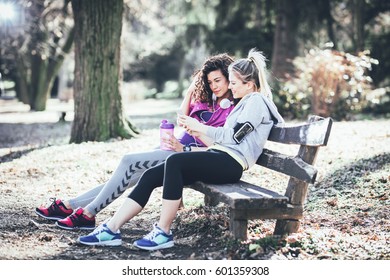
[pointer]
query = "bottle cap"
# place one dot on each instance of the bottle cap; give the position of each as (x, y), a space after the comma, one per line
(166, 125)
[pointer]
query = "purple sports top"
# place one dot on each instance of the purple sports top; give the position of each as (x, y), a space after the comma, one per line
(202, 112)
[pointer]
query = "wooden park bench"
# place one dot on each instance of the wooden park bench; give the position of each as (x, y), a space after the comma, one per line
(247, 201)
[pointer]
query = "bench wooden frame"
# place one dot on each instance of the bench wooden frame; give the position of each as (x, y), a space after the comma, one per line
(247, 201)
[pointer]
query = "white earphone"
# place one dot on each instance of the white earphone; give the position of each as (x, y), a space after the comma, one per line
(224, 104)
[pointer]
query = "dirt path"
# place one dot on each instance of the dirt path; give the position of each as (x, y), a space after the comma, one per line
(347, 215)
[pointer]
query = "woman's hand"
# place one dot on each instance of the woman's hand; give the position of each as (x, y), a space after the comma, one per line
(179, 113)
(173, 144)
(188, 98)
(191, 125)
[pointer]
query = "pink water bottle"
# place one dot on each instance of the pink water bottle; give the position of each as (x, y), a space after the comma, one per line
(166, 131)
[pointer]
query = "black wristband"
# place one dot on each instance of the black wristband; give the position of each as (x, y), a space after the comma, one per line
(187, 148)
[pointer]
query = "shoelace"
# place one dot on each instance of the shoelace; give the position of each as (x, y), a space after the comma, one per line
(75, 216)
(97, 230)
(53, 206)
(151, 235)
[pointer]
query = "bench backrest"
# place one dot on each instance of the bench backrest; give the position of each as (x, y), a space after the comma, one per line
(314, 133)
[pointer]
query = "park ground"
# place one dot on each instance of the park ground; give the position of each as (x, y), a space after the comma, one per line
(346, 215)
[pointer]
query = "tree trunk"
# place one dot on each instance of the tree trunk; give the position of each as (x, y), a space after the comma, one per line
(358, 24)
(44, 72)
(21, 83)
(98, 102)
(38, 79)
(285, 40)
(268, 13)
(329, 24)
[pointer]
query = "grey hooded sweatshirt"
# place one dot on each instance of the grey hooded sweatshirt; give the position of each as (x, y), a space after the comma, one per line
(262, 114)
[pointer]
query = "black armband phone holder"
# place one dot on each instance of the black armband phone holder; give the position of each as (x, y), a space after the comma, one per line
(242, 130)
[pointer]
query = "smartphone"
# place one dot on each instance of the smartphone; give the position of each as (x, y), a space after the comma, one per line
(242, 132)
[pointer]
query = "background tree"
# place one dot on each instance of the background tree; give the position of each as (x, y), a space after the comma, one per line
(299, 26)
(33, 57)
(164, 41)
(285, 41)
(168, 41)
(242, 25)
(98, 103)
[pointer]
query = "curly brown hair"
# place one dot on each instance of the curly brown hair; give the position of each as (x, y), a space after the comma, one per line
(221, 62)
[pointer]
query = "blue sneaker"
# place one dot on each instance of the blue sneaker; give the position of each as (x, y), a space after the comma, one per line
(155, 240)
(101, 236)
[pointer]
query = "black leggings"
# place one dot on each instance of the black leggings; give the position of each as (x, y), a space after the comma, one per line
(182, 169)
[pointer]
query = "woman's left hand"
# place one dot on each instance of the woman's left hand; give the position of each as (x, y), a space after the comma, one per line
(173, 144)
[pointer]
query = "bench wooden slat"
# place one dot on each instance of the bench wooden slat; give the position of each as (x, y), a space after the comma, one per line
(289, 165)
(293, 212)
(242, 195)
(309, 134)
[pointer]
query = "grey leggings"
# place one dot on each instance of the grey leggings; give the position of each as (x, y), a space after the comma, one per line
(125, 176)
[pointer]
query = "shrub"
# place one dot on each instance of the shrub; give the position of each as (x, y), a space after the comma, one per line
(327, 83)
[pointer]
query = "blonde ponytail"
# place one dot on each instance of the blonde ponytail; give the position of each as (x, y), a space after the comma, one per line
(259, 59)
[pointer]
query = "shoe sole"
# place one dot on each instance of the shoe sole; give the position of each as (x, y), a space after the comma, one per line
(115, 242)
(169, 244)
(75, 228)
(49, 218)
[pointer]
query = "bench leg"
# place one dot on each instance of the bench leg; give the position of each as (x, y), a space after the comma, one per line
(238, 227)
(283, 227)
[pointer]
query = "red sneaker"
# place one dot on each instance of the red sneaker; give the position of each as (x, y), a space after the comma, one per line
(77, 221)
(55, 211)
